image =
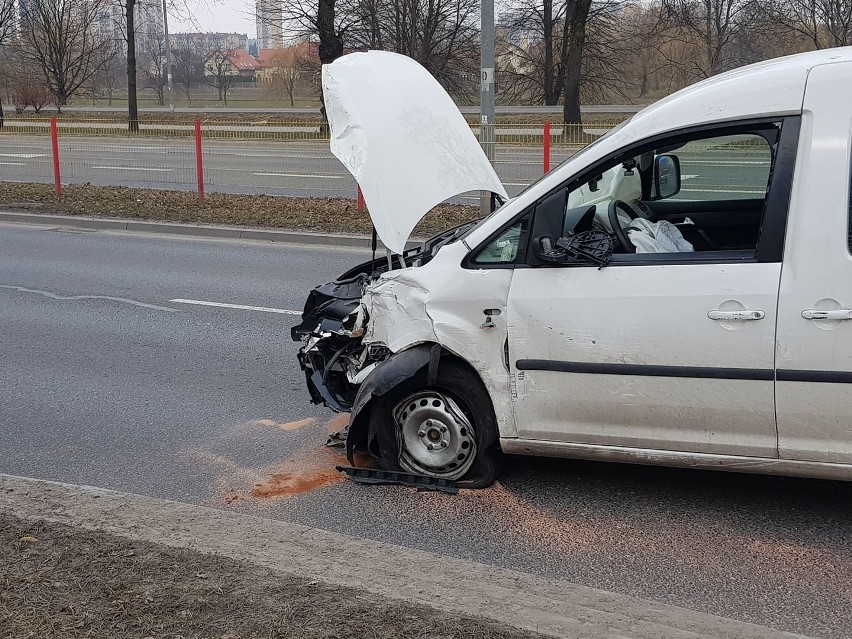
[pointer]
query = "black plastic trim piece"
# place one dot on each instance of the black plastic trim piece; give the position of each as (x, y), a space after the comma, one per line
(378, 477)
(645, 370)
(773, 229)
(829, 377)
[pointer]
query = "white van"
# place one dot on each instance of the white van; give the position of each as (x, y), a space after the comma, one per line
(677, 293)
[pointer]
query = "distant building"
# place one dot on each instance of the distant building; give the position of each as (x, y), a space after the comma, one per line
(239, 63)
(252, 47)
(284, 61)
(148, 18)
(26, 9)
(270, 24)
(209, 41)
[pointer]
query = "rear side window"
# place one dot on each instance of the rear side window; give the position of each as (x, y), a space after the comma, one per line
(731, 167)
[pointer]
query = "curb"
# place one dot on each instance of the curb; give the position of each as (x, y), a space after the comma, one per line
(520, 600)
(191, 230)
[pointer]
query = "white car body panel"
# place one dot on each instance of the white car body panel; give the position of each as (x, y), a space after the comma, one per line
(646, 316)
(815, 418)
(402, 138)
(440, 303)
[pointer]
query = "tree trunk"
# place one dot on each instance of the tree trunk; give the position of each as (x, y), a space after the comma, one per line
(2, 116)
(330, 42)
(576, 42)
(551, 93)
(132, 106)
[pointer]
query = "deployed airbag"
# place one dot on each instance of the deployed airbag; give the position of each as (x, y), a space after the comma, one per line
(657, 237)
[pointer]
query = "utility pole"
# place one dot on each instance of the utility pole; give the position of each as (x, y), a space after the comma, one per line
(486, 92)
(168, 58)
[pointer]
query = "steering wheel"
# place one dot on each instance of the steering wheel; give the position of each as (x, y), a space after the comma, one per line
(620, 233)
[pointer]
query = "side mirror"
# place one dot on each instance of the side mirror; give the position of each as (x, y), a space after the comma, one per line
(666, 176)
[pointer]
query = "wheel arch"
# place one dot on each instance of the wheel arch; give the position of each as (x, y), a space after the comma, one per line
(398, 368)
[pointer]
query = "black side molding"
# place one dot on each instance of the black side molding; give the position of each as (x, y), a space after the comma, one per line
(647, 370)
(832, 377)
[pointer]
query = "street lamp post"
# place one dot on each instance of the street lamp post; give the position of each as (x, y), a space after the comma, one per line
(168, 57)
(486, 92)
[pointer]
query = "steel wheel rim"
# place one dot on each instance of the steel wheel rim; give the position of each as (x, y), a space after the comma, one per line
(435, 436)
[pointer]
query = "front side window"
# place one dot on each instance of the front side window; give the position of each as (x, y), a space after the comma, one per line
(689, 194)
(730, 167)
(506, 248)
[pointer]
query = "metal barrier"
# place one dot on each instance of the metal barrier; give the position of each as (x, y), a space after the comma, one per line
(275, 158)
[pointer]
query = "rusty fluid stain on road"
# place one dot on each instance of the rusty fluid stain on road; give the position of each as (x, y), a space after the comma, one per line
(287, 426)
(301, 474)
(337, 423)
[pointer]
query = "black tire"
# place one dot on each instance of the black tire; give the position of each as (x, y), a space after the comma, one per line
(465, 388)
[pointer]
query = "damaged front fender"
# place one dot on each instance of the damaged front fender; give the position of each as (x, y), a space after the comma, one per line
(384, 377)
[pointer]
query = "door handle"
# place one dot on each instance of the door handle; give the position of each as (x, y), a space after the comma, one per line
(837, 314)
(744, 315)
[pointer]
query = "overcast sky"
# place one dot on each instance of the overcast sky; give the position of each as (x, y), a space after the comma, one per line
(228, 16)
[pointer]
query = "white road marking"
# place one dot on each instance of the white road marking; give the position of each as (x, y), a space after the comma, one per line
(64, 298)
(23, 155)
(301, 175)
(131, 168)
(241, 307)
(13, 163)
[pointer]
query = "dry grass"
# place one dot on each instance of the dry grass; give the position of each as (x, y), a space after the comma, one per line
(330, 215)
(57, 582)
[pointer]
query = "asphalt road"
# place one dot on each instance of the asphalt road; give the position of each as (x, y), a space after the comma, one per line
(297, 169)
(303, 169)
(106, 380)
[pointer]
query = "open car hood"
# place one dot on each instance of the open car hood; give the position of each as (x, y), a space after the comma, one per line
(403, 139)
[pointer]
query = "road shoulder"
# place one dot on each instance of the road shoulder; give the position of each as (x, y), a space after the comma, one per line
(514, 599)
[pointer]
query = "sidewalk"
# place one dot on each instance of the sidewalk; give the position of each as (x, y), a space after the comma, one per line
(109, 557)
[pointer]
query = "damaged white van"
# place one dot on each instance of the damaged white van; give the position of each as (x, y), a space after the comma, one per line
(677, 293)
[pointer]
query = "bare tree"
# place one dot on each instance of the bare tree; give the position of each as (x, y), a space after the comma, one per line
(442, 35)
(62, 39)
(152, 67)
(8, 29)
(111, 77)
(285, 69)
(824, 23)
(8, 21)
(563, 51)
(188, 66)
(221, 72)
(706, 31)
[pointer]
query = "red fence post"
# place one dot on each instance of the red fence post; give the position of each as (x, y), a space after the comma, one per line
(546, 147)
(199, 162)
(54, 138)
(362, 205)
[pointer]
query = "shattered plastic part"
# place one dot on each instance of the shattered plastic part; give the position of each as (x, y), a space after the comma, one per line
(402, 138)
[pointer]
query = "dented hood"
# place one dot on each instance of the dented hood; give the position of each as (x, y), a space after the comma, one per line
(403, 139)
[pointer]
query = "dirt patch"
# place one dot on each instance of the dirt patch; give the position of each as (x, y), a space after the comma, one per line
(330, 215)
(57, 582)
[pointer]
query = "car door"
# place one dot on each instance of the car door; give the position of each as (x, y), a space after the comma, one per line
(814, 359)
(670, 351)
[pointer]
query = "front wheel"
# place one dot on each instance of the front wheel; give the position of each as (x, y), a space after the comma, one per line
(446, 429)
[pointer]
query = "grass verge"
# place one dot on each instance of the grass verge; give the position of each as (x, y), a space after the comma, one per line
(57, 582)
(328, 215)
